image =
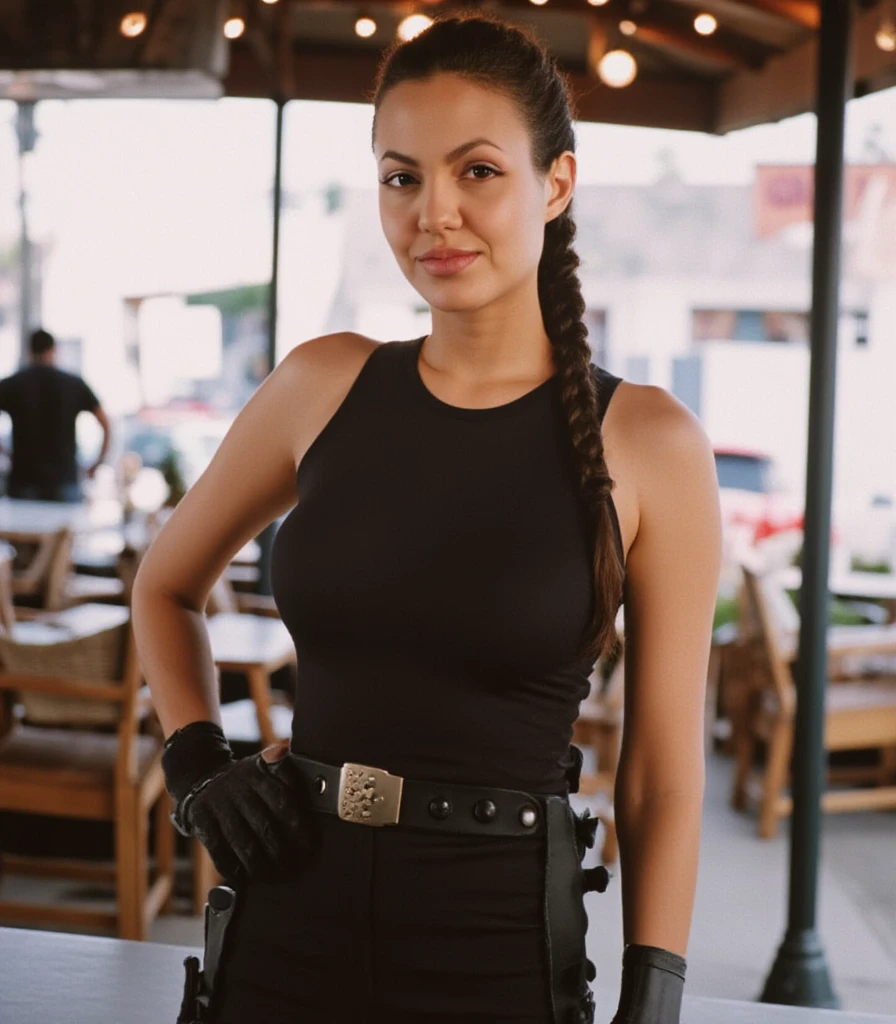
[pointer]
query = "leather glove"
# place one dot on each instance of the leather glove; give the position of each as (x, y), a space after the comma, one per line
(652, 986)
(252, 815)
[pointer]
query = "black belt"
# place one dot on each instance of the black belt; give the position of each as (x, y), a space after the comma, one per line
(371, 796)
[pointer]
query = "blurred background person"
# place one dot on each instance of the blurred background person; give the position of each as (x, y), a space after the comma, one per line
(43, 403)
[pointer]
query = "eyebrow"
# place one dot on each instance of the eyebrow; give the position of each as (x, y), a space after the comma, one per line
(455, 154)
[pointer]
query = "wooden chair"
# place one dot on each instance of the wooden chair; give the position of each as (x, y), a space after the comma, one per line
(42, 578)
(599, 729)
(860, 714)
(110, 773)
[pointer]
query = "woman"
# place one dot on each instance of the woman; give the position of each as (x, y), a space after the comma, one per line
(453, 566)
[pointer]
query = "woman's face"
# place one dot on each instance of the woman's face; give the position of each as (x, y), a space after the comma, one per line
(455, 171)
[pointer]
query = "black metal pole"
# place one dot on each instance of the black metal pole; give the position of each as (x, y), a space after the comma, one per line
(799, 976)
(266, 537)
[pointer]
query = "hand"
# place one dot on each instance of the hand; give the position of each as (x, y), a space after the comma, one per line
(252, 815)
(652, 986)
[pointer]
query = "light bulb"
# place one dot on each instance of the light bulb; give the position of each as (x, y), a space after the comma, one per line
(412, 26)
(268, 1)
(365, 27)
(234, 28)
(538, 3)
(133, 24)
(628, 27)
(886, 36)
(705, 24)
(598, 3)
(617, 68)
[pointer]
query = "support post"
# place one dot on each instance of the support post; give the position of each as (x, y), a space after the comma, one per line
(799, 976)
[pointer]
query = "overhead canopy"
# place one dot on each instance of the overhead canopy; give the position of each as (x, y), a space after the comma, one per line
(757, 67)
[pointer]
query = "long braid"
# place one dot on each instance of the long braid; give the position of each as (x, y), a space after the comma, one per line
(562, 305)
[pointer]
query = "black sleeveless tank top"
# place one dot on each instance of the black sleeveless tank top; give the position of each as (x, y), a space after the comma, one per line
(436, 577)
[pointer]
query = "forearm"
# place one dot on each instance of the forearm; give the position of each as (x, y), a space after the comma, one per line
(176, 658)
(659, 839)
(104, 447)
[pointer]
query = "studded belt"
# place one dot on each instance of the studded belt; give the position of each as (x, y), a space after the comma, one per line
(371, 796)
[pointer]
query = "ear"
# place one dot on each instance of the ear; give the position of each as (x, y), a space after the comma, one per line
(559, 185)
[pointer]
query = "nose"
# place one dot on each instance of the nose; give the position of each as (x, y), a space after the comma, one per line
(438, 206)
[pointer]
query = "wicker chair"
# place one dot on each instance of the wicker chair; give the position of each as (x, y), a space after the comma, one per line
(860, 714)
(97, 765)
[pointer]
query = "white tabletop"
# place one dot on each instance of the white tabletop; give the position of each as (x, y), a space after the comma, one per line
(880, 586)
(21, 518)
(81, 979)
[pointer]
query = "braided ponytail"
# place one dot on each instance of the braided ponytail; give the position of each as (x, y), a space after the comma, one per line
(562, 306)
(511, 59)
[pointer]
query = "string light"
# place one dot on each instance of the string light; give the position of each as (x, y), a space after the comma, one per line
(133, 24)
(538, 3)
(234, 28)
(272, 2)
(627, 27)
(412, 26)
(365, 27)
(598, 3)
(885, 37)
(705, 24)
(617, 68)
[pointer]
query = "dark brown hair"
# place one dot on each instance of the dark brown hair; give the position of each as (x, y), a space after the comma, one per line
(499, 56)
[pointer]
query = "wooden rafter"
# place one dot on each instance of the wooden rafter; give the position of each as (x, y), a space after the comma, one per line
(688, 45)
(803, 12)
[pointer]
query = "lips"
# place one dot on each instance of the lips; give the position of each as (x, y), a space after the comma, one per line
(444, 265)
(443, 254)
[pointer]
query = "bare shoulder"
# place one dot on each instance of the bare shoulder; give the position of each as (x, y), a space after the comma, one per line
(320, 373)
(658, 439)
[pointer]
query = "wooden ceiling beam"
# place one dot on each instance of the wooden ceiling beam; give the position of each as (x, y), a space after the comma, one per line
(802, 12)
(692, 46)
(786, 85)
(347, 76)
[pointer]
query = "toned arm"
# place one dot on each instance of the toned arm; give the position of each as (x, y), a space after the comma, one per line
(248, 484)
(671, 583)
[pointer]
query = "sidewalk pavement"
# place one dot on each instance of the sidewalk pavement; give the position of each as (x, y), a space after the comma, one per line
(741, 906)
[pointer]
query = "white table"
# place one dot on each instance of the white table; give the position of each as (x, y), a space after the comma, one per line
(868, 586)
(54, 977)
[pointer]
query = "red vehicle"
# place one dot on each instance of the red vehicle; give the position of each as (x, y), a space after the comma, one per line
(754, 506)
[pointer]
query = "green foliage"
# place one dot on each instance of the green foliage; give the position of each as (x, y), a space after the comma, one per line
(726, 611)
(171, 471)
(234, 301)
(858, 564)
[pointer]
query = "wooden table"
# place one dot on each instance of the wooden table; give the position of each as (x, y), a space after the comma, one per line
(79, 979)
(254, 646)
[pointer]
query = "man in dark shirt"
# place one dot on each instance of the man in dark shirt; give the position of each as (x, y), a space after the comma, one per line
(43, 403)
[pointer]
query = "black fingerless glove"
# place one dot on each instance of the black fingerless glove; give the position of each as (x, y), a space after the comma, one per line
(254, 818)
(652, 986)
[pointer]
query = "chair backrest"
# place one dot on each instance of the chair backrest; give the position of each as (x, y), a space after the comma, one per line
(51, 678)
(46, 572)
(82, 646)
(758, 589)
(7, 611)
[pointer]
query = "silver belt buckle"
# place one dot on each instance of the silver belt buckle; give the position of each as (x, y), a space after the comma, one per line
(369, 796)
